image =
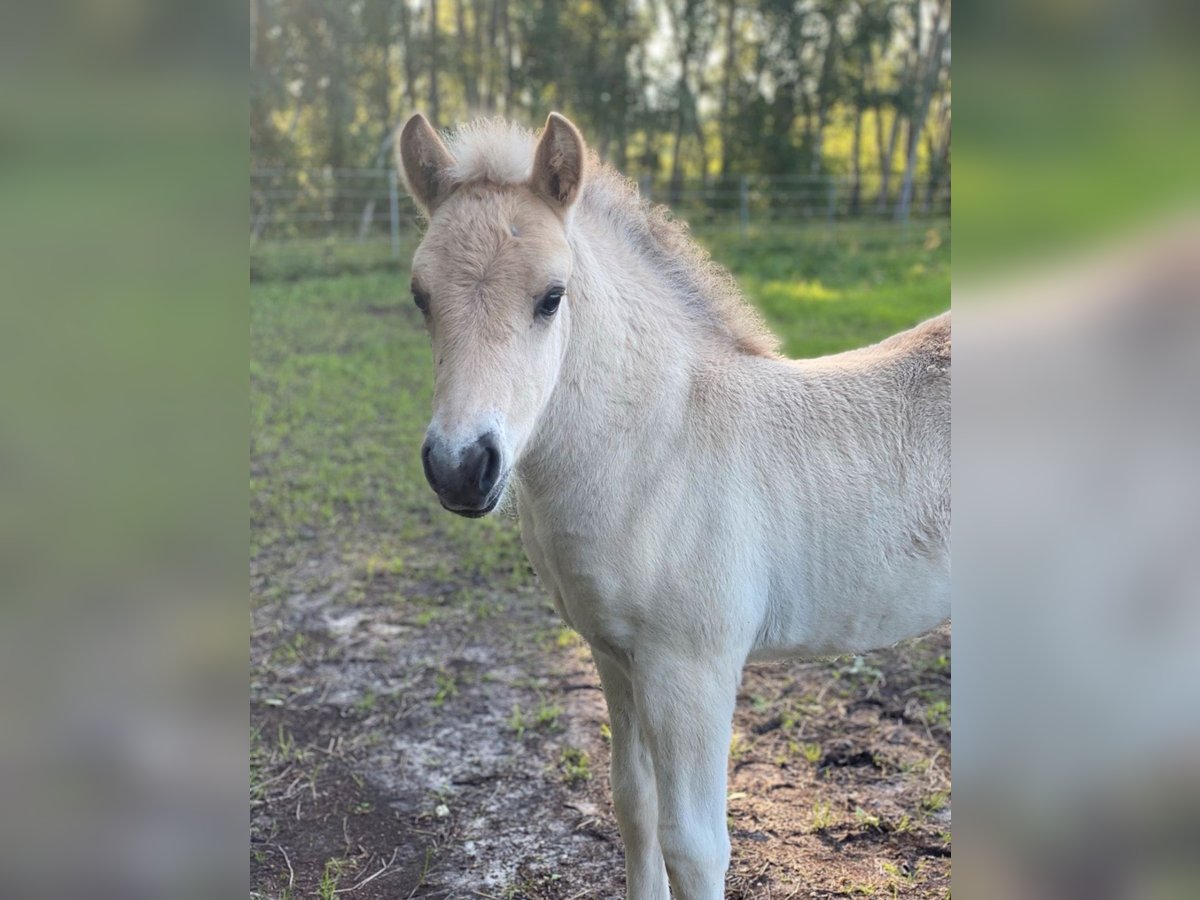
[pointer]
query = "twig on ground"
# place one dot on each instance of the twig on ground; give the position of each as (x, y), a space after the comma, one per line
(355, 887)
(291, 871)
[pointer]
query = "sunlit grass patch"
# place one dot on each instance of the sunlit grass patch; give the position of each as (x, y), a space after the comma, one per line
(826, 290)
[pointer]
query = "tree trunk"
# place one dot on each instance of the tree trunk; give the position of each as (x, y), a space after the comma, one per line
(478, 62)
(379, 28)
(621, 158)
(885, 158)
(726, 113)
(675, 188)
(856, 154)
(880, 150)
(925, 82)
(434, 62)
(826, 90)
(490, 86)
(470, 86)
(902, 107)
(410, 58)
(940, 163)
(508, 59)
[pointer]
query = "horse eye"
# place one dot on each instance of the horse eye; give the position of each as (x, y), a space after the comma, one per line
(548, 305)
(421, 299)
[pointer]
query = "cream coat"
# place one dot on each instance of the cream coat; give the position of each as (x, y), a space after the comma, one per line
(690, 499)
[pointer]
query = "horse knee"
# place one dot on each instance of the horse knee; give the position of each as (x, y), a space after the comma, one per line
(696, 859)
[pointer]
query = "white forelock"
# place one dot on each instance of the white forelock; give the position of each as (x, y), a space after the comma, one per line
(491, 150)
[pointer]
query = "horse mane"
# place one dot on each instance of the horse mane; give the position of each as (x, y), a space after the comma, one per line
(499, 152)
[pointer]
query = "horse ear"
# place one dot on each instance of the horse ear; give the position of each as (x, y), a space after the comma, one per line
(423, 161)
(558, 163)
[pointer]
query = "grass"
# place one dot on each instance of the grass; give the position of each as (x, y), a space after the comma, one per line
(575, 765)
(824, 291)
(821, 817)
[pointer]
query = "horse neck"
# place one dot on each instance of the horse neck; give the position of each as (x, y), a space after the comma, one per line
(623, 390)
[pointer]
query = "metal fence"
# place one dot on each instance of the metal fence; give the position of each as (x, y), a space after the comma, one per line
(372, 203)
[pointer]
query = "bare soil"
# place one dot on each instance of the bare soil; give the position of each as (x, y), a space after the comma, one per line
(410, 743)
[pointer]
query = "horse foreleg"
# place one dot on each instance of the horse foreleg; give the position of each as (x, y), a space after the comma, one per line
(633, 788)
(685, 707)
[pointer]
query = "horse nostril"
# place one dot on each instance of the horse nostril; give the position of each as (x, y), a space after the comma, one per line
(490, 471)
(427, 465)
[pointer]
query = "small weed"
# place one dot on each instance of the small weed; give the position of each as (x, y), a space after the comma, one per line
(516, 721)
(377, 566)
(901, 874)
(567, 637)
(288, 750)
(862, 890)
(935, 802)
(547, 715)
(821, 816)
(329, 879)
(605, 733)
(738, 746)
(861, 672)
(291, 652)
(575, 765)
(866, 819)
(545, 718)
(447, 687)
(937, 714)
(812, 753)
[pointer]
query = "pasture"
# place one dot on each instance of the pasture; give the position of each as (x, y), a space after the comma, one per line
(423, 725)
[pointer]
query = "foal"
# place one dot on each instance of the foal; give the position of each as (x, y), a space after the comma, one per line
(689, 498)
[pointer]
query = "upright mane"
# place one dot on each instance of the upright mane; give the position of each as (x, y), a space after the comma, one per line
(499, 152)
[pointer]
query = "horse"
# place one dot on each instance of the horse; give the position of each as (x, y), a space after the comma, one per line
(691, 499)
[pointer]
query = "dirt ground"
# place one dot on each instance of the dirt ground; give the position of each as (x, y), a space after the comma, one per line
(426, 738)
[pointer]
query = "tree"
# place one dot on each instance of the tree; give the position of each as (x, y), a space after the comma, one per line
(929, 63)
(775, 87)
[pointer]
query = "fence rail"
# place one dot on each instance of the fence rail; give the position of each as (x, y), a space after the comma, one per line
(365, 203)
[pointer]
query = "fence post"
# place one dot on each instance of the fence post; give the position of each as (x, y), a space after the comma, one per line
(744, 204)
(394, 205)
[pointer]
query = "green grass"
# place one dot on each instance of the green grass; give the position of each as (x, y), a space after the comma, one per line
(575, 765)
(824, 291)
(341, 383)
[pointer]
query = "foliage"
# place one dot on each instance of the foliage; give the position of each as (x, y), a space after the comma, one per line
(697, 88)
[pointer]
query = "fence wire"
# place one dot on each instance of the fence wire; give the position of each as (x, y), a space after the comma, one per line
(371, 203)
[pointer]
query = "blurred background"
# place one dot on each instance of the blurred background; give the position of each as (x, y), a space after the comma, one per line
(124, 165)
(742, 112)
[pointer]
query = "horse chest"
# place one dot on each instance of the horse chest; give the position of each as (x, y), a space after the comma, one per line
(585, 588)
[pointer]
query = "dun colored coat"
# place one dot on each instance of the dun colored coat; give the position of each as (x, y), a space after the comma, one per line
(691, 499)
